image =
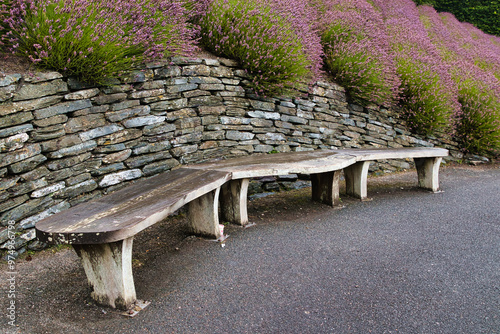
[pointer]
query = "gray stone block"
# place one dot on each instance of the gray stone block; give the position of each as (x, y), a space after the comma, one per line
(21, 154)
(26, 209)
(27, 165)
(181, 88)
(117, 116)
(169, 71)
(237, 135)
(145, 148)
(67, 162)
(169, 105)
(33, 91)
(145, 159)
(62, 108)
(119, 137)
(108, 169)
(82, 94)
(117, 157)
(143, 121)
(76, 190)
(159, 167)
(184, 150)
(205, 101)
(83, 123)
(100, 132)
(293, 119)
(15, 119)
(108, 99)
(115, 178)
(196, 70)
(156, 129)
(204, 80)
(73, 150)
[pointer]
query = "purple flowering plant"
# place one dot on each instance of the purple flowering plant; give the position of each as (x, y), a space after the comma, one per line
(428, 94)
(477, 123)
(95, 40)
(357, 50)
(273, 40)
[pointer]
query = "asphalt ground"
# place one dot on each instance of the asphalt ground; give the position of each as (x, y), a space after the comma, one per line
(406, 262)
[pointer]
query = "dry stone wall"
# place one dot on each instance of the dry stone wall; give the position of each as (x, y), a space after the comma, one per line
(63, 142)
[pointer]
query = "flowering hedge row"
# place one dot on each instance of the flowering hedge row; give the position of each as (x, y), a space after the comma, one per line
(443, 73)
(272, 40)
(474, 70)
(96, 40)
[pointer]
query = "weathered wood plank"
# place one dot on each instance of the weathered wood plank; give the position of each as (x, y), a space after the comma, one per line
(281, 164)
(124, 213)
(366, 154)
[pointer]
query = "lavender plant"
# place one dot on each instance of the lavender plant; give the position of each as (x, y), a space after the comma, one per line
(477, 123)
(95, 40)
(357, 50)
(429, 96)
(273, 40)
(484, 48)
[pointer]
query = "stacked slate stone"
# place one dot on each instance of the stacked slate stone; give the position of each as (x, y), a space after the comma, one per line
(63, 142)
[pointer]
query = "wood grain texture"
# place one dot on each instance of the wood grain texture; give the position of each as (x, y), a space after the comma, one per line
(124, 213)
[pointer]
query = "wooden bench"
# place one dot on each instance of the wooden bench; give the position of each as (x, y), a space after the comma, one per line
(325, 167)
(102, 231)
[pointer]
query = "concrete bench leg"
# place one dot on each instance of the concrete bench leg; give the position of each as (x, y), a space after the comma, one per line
(325, 188)
(203, 215)
(428, 173)
(234, 201)
(109, 272)
(356, 178)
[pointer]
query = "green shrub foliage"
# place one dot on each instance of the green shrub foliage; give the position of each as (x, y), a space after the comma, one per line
(272, 40)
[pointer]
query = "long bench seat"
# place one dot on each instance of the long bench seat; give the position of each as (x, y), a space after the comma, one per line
(325, 167)
(101, 231)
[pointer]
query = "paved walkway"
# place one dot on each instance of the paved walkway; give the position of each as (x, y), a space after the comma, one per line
(406, 262)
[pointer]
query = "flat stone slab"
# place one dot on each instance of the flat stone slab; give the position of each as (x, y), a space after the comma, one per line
(126, 212)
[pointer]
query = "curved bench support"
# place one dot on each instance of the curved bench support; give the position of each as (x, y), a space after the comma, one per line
(203, 215)
(325, 187)
(428, 173)
(356, 178)
(234, 201)
(109, 272)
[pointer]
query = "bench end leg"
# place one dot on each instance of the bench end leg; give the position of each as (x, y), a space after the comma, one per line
(109, 271)
(325, 188)
(203, 215)
(356, 178)
(233, 200)
(428, 173)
